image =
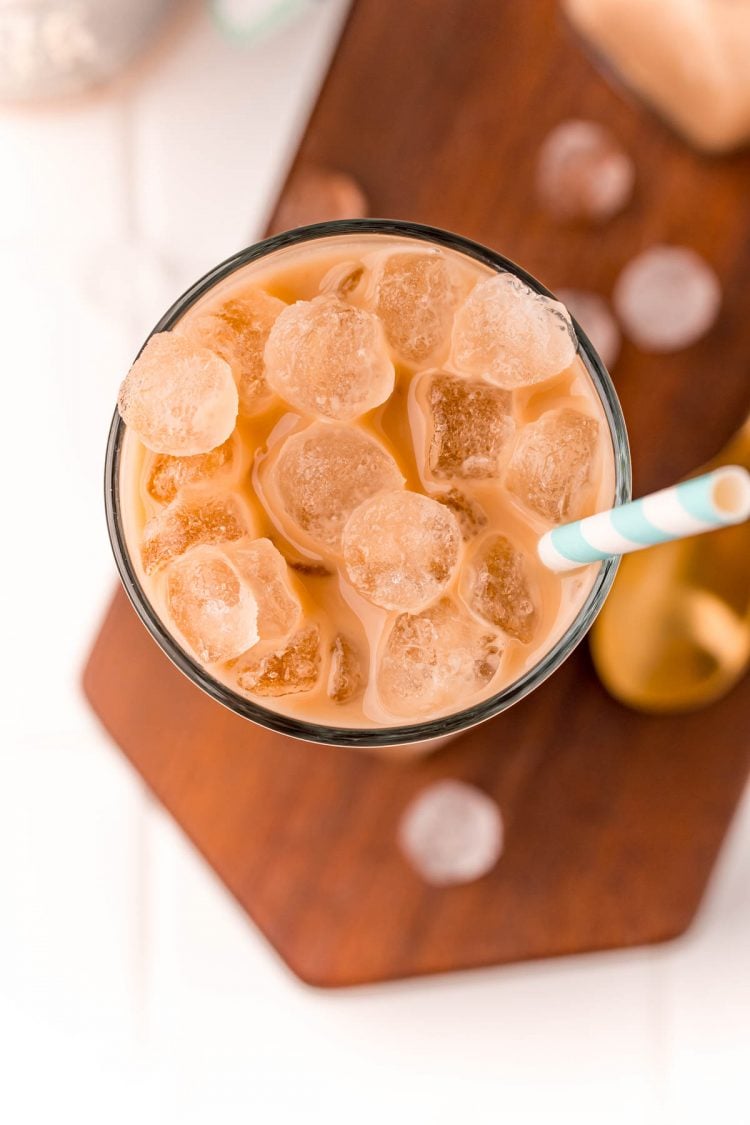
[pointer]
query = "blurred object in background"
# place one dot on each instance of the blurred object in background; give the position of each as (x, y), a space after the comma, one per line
(582, 173)
(317, 195)
(451, 833)
(667, 298)
(254, 19)
(689, 58)
(130, 283)
(50, 48)
(593, 314)
(674, 634)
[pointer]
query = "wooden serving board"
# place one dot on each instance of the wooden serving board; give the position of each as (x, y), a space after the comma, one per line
(613, 820)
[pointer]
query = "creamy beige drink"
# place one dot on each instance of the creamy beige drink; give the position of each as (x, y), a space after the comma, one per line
(336, 469)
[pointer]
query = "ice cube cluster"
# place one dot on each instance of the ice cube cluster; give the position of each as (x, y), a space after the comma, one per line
(243, 538)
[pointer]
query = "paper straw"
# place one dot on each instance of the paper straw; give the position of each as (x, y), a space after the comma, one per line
(716, 499)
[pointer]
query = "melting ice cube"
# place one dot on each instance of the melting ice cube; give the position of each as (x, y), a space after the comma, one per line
(323, 473)
(285, 671)
(169, 475)
(435, 660)
(329, 359)
(471, 426)
(401, 549)
(512, 335)
(498, 587)
(265, 571)
(210, 604)
(345, 678)
(178, 397)
(415, 296)
(551, 464)
(238, 331)
(190, 521)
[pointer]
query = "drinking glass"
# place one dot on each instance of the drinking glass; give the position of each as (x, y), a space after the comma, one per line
(416, 736)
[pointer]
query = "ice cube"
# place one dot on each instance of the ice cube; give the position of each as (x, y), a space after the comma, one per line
(265, 571)
(593, 314)
(285, 671)
(188, 522)
(168, 475)
(551, 464)
(237, 331)
(511, 335)
(323, 473)
(343, 279)
(497, 586)
(329, 359)
(435, 660)
(471, 426)
(667, 298)
(210, 604)
(471, 517)
(178, 397)
(583, 173)
(415, 296)
(401, 549)
(345, 679)
(451, 833)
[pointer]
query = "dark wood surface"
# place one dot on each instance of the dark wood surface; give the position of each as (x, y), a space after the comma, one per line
(613, 820)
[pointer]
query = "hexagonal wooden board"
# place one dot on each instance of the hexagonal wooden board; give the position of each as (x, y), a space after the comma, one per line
(613, 820)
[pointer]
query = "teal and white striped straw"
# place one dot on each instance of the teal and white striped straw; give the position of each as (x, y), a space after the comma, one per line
(717, 499)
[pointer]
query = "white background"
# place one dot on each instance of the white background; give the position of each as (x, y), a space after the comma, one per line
(131, 987)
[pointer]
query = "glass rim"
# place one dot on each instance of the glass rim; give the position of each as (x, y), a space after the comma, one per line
(405, 733)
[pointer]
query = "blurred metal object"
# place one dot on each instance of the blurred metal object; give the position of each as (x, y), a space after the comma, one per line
(50, 48)
(674, 633)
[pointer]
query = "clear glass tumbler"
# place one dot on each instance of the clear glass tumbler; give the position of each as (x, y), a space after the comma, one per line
(412, 737)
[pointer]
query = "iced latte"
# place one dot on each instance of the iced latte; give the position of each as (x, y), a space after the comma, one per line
(336, 467)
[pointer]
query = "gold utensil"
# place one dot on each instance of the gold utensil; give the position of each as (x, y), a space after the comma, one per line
(674, 633)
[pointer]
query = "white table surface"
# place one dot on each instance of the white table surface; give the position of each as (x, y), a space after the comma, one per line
(131, 986)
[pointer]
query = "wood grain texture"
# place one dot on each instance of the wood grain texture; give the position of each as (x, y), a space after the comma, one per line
(613, 820)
